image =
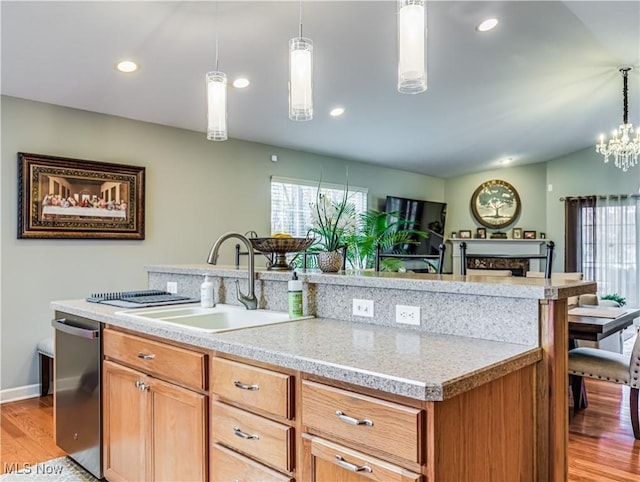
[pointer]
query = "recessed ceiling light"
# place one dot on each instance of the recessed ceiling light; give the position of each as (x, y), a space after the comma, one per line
(241, 83)
(487, 25)
(127, 66)
(508, 160)
(336, 111)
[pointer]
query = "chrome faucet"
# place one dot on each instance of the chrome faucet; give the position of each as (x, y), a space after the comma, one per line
(249, 300)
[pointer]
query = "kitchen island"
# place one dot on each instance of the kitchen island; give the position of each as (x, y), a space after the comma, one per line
(474, 404)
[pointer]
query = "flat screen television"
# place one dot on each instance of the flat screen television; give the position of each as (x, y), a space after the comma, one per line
(429, 216)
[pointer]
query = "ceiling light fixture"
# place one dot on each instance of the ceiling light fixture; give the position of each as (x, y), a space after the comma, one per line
(624, 150)
(127, 66)
(488, 24)
(300, 76)
(216, 101)
(336, 111)
(412, 39)
(241, 83)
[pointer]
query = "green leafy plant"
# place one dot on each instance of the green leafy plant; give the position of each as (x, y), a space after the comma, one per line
(615, 297)
(379, 227)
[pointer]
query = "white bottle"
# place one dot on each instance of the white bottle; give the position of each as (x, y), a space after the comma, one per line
(206, 293)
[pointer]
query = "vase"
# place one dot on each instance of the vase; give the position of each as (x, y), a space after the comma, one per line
(330, 261)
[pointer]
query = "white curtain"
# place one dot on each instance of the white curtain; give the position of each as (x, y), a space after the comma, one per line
(617, 225)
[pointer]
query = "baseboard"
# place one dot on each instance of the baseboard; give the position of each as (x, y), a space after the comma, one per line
(19, 393)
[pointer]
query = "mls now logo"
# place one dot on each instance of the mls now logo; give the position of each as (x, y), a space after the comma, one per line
(27, 469)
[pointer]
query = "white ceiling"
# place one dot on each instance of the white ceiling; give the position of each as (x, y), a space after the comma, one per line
(544, 83)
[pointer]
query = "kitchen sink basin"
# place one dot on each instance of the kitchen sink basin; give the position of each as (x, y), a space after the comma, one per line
(219, 318)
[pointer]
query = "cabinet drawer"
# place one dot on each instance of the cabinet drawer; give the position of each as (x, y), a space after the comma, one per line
(263, 439)
(185, 367)
(365, 421)
(331, 461)
(252, 387)
(229, 465)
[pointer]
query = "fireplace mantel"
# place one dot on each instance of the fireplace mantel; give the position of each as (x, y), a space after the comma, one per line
(526, 247)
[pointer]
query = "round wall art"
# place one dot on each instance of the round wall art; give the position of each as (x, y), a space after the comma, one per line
(495, 204)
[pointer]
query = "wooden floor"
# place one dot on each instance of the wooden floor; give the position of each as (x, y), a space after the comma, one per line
(26, 433)
(601, 443)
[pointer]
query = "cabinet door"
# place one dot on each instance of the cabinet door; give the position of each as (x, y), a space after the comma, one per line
(125, 424)
(179, 445)
(324, 460)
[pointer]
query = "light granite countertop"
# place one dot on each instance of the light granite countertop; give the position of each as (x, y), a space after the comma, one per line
(509, 287)
(418, 365)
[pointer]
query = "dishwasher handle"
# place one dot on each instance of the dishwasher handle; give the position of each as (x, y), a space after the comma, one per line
(63, 325)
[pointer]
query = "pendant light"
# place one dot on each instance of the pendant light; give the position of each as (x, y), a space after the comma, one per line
(621, 146)
(216, 101)
(300, 76)
(412, 40)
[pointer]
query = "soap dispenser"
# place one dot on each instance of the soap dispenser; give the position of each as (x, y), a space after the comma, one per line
(295, 296)
(206, 293)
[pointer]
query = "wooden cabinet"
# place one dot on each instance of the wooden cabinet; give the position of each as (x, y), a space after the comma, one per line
(252, 422)
(354, 437)
(325, 461)
(153, 430)
(369, 422)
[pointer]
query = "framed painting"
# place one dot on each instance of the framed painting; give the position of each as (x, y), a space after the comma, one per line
(78, 199)
(495, 204)
(516, 233)
(464, 233)
(481, 233)
(529, 235)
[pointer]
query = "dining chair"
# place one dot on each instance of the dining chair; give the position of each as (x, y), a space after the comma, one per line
(488, 272)
(607, 366)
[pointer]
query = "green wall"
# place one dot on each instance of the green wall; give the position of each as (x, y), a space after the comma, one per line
(195, 191)
(580, 174)
(528, 180)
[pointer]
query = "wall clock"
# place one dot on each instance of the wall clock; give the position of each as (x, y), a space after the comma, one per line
(495, 204)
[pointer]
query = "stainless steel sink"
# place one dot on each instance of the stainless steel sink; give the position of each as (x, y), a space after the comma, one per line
(219, 318)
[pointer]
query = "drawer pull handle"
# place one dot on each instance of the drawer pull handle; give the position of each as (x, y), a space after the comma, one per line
(244, 386)
(141, 385)
(146, 356)
(353, 421)
(352, 467)
(244, 435)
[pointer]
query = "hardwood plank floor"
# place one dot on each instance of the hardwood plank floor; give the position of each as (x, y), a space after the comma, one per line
(601, 443)
(26, 433)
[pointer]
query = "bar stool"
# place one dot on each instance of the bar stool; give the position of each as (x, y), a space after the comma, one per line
(46, 356)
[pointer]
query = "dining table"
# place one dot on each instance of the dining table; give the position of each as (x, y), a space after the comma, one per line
(595, 324)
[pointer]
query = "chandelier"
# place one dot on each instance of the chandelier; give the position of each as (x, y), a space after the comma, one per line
(621, 146)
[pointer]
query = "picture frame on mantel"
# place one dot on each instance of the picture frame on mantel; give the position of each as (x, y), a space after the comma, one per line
(64, 198)
(529, 235)
(481, 233)
(516, 233)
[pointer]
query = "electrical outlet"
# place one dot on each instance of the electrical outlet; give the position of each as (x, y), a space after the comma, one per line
(172, 287)
(409, 315)
(362, 307)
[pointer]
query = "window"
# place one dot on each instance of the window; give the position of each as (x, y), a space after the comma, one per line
(609, 233)
(291, 201)
(612, 254)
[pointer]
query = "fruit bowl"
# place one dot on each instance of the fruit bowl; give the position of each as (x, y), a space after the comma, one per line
(280, 247)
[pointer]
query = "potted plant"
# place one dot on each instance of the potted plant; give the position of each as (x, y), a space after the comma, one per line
(388, 230)
(331, 223)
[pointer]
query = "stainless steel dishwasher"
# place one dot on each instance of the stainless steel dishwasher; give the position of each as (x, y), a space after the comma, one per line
(77, 382)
